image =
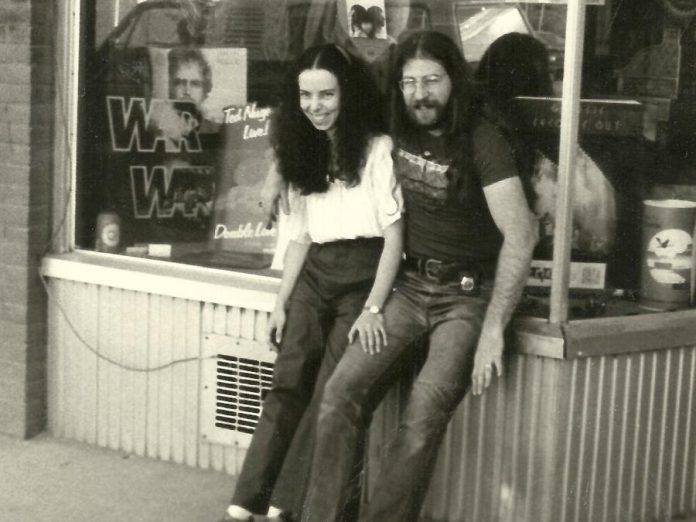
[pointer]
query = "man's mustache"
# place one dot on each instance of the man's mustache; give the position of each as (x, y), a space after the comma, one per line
(425, 104)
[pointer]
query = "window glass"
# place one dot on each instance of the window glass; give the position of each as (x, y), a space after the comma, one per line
(635, 136)
(174, 125)
(515, 51)
(638, 74)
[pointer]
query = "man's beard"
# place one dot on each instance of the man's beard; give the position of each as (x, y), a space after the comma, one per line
(438, 109)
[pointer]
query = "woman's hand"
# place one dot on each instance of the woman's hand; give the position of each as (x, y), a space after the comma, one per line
(369, 328)
(276, 324)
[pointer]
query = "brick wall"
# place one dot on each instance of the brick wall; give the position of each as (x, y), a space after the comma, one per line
(26, 115)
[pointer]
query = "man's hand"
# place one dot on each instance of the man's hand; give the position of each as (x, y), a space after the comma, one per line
(488, 358)
(369, 328)
(274, 196)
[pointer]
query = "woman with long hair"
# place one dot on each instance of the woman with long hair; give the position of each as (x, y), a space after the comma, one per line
(344, 251)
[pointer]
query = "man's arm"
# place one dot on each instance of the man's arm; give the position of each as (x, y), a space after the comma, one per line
(508, 207)
(274, 194)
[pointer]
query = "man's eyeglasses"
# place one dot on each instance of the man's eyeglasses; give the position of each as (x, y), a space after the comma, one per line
(183, 82)
(428, 83)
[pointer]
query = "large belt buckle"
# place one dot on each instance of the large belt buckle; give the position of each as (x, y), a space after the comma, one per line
(431, 269)
(467, 283)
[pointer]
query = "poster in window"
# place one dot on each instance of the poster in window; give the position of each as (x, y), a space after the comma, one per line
(366, 19)
(240, 235)
(163, 152)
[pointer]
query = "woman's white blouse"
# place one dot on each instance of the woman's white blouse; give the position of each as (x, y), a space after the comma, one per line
(344, 212)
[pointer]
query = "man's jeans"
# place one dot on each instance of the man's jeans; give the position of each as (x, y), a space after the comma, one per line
(418, 306)
(328, 296)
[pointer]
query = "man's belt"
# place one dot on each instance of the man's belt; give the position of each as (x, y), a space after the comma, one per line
(444, 272)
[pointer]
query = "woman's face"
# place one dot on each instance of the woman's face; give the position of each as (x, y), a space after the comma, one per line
(320, 98)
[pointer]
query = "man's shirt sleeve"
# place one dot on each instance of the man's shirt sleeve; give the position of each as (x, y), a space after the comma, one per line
(493, 156)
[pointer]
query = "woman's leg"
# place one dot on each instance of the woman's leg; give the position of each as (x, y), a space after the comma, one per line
(330, 293)
(291, 486)
(295, 370)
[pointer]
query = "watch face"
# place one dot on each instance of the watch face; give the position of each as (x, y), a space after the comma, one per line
(374, 309)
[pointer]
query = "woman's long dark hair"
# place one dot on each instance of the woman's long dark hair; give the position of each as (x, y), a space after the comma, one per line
(303, 152)
(462, 112)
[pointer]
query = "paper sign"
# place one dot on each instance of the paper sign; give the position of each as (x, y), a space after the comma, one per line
(239, 224)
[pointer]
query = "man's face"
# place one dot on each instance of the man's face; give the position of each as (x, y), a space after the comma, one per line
(426, 88)
(188, 83)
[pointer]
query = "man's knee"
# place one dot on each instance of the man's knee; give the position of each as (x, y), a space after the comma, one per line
(431, 405)
(341, 400)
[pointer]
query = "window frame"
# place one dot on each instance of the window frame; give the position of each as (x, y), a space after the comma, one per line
(66, 260)
(68, 61)
(71, 26)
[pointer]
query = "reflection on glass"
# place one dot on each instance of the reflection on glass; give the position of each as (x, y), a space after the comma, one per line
(481, 26)
(176, 121)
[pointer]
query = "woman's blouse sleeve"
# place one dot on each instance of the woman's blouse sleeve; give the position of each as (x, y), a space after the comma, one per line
(297, 220)
(386, 189)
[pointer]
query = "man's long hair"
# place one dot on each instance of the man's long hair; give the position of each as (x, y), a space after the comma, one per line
(461, 113)
(515, 64)
(303, 152)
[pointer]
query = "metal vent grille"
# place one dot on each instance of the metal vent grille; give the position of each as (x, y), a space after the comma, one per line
(236, 376)
(242, 384)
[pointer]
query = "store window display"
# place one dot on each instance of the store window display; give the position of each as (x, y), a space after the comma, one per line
(182, 172)
(176, 120)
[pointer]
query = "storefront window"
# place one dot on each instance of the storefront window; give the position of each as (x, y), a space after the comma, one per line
(175, 118)
(638, 70)
(636, 141)
(178, 95)
(516, 53)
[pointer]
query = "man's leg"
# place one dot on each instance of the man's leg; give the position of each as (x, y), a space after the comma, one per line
(404, 476)
(293, 382)
(340, 423)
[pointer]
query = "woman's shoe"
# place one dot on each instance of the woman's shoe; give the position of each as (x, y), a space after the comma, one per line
(229, 518)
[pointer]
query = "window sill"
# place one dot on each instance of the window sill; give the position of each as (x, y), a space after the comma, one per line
(231, 288)
(531, 336)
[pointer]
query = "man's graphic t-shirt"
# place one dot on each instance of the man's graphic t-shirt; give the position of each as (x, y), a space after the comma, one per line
(441, 225)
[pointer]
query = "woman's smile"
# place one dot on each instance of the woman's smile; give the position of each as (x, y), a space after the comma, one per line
(320, 98)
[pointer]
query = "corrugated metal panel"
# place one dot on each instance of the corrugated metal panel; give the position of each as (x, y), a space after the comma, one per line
(589, 440)
(609, 438)
(154, 414)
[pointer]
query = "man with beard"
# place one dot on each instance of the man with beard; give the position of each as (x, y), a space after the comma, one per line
(469, 242)
(190, 78)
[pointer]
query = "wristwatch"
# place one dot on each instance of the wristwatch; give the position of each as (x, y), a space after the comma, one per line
(373, 309)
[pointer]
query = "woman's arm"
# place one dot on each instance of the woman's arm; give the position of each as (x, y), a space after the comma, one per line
(369, 327)
(294, 260)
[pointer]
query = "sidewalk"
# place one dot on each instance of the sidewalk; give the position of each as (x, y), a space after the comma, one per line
(55, 480)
